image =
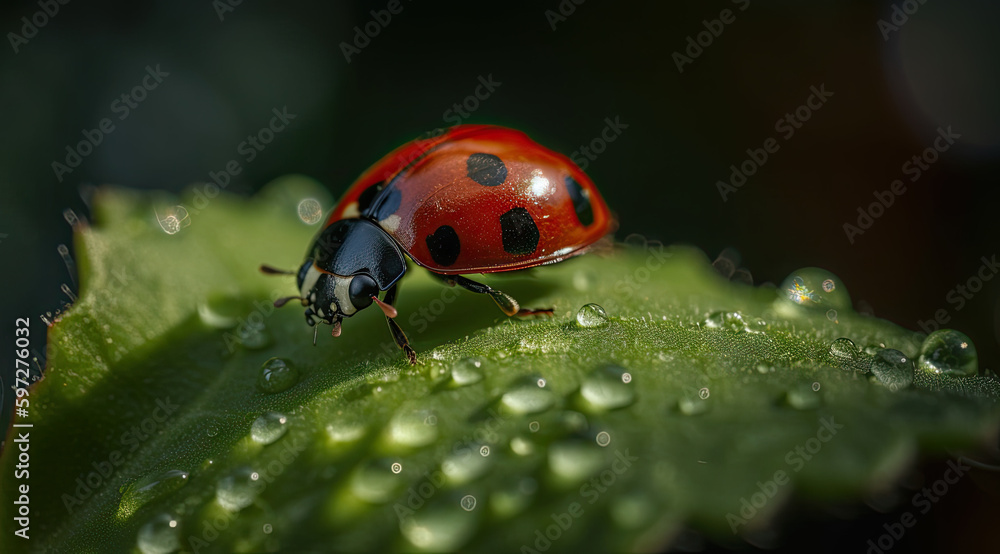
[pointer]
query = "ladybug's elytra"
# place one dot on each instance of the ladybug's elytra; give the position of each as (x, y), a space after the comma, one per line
(472, 199)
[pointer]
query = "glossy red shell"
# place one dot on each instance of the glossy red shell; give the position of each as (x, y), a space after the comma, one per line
(428, 184)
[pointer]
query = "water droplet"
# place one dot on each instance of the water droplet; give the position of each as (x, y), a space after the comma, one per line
(816, 386)
(466, 371)
(603, 439)
(377, 480)
(220, 311)
(144, 491)
(846, 355)
(255, 338)
(893, 369)
(703, 393)
(534, 426)
(413, 428)
(541, 382)
(268, 428)
(591, 315)
(159, 535)
(346, 428)
(466, 465)
(268, 528)
(513, 499)
(439, 528)
(484, 451)
(804, 397)
(528, 399)
(949, 352)
(815, 288)
(693, 404)
(239, 489)
(521, 446)
(310, 211)
(277, 375)
(468, 503)
(607, 389)
(575, 460)
(832, 316)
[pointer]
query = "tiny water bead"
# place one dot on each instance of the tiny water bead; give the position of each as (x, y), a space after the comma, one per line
(847, 355)
(276, 375)
(603, 439)
(468, 503)
(396, 467)
(704, 393)
(238, 489)
(893, 369)
(221, 311)
(816, 386)
(528, 398)
(466, 465)
(413, 428)
(268, 428)
(467, 371)
(803, 396)
(159, 535)
(310, 211)
(376, 481)
(591, 316)
(439, 528)
(534, 426)
(575, 460)
(346, 428)
(949, 352)
(144, 491)
(731, 321)
(815, 288)
(608, 388)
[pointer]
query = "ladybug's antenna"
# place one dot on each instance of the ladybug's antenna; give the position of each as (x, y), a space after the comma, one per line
(282, 301)
(315, 332)
(387, 309)
(264, 268)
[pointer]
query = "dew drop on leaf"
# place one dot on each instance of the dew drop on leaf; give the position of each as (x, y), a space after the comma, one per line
(467, 371)
(439, 528)
(146, 490)
(815, 288)
(591, 316)
(238, 489)
(949, 352)
(413, 428)
(893, 369)
(268, 428)
(276, 375)
(608, 389)
(528, 399)
(159, 535)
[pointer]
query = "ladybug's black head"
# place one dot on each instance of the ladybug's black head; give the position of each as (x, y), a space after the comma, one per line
(349, 263)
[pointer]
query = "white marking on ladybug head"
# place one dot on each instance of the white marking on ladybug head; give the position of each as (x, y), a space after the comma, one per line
(390, 223)
(312, 275)
(351, 210)
(342, 291)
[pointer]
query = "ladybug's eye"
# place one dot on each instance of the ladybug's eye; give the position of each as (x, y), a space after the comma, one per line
(362, 289)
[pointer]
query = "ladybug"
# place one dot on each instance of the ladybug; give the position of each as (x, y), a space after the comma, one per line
(470, 199)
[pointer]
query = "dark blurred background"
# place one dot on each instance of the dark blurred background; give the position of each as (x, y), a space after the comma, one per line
(560, 71)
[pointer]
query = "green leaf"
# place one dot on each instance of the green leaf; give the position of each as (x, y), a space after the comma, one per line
(688, 400)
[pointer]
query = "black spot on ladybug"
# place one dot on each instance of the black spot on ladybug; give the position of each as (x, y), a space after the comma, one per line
(386, 203)
(486, 169)
(581, 201)
(369, 194)
(519, 232)
(444, 245)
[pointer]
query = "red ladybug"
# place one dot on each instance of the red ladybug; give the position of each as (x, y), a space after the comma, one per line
(472, 199)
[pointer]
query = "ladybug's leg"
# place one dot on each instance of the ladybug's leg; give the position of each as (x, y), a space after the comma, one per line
(397, 333)
(504, 300)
